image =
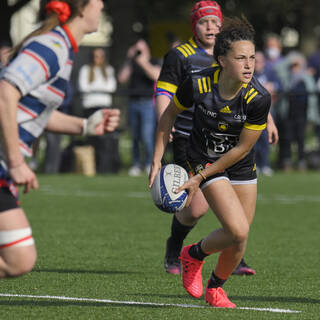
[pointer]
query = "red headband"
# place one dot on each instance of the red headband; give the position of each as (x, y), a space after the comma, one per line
(62, 9)
(202, 9)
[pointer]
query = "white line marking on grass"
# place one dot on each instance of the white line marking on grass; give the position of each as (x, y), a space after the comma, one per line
(270, 310)
(137, 303)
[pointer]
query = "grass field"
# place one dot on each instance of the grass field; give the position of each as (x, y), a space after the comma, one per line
(101, 244)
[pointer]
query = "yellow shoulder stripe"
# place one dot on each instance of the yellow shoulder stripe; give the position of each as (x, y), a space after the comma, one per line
(248, 93)
(186, 49)
(251, 97)
(256, 127)
(193, 43)
(216, 76)
(178, 104)
(190, 48)
(204, 84)
(182, 51)
(167, 86)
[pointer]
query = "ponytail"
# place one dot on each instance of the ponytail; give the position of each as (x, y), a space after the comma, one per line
(56, 13)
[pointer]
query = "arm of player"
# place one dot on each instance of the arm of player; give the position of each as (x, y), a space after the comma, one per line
(18, 169)
(273, 136)
(247, 140)
(162, 137)
(162, 102)
(102, 121)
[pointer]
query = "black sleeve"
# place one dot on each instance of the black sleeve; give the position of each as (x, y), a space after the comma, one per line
(258, 110)
(172, 70)
(184, 97)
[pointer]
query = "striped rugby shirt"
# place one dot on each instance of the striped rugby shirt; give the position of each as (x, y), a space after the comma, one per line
(40, 72)
(186, 58)
(217, 123)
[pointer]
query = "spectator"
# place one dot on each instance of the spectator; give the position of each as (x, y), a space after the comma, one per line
(269, 79)
(7, 10)
(314, 70)
(143, 71)
(97, 83)
(300, 98)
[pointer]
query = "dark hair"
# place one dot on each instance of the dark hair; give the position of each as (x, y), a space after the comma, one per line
(102, 67)
(51, 20)
(233, 29)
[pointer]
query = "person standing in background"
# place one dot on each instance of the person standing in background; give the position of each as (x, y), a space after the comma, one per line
(142, 70)
(97, 83)
(269, 79)
(302, 100)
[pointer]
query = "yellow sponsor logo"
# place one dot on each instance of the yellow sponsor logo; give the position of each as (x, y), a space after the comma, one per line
(223, 126)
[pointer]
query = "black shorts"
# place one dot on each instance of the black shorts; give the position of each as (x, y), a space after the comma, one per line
(7, 200)
(243, 172)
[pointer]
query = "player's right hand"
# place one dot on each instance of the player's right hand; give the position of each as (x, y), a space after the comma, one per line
(155, 168)
(23, 175)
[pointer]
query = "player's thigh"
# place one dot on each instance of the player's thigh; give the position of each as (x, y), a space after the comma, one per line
(13, 219)
(247, 194)
(224, 202)
(199, 205)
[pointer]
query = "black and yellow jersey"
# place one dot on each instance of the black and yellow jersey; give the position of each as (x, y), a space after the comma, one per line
(180, 61)
(217, 123)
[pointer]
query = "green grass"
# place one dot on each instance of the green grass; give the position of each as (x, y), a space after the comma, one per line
(102, 238)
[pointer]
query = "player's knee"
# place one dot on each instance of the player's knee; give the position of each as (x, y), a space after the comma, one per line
(17, 270)
(198, 209)
(240, 233)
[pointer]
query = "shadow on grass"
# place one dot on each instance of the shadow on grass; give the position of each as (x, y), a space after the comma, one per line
(275, 299)
(33, 304)
(167, 296)
(105, 272)
(239, 298)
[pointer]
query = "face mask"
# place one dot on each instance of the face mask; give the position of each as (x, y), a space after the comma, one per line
(273, 53)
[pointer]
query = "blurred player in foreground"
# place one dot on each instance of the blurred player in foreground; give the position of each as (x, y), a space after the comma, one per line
(195, 54)
(31, 89)
(230, 111)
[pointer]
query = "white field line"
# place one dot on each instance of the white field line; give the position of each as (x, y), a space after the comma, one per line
(276, 310)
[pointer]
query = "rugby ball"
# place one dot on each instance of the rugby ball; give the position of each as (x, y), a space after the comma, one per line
(168, 179)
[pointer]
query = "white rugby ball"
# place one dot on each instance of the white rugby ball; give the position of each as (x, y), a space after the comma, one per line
(169, 178)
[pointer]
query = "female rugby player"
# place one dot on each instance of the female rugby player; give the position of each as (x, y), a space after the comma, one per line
(31, 89)
(231, 110)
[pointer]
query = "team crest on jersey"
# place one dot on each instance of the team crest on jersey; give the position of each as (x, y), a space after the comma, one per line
(223, 126)
(225, 109)
(57, 44)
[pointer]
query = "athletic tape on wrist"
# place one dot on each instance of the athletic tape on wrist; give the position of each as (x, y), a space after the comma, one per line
(89, 125)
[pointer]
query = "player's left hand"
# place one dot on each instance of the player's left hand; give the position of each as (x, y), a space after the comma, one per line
(191, 186)
(273, 135)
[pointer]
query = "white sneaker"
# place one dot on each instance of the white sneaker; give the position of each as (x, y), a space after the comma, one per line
(134, 171)
(267, 171)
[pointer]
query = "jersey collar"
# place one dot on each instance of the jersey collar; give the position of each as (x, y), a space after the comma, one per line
(71, 38)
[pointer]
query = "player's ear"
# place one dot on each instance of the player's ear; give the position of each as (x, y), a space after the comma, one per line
(221, 61)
